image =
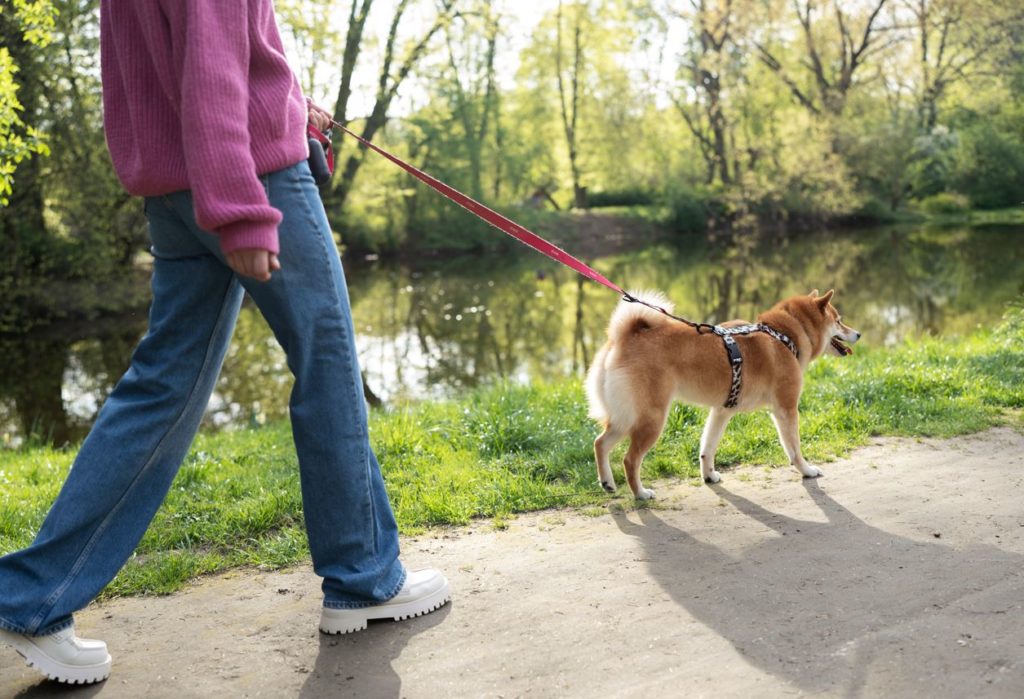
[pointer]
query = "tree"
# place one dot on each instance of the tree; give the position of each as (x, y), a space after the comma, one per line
(395, 67)
(472, 83)
(29, 25)
(705, 61)
(832, 58)
(953, 39)
(569, 104)
(313, 40)
(575, 71)
(68, 219)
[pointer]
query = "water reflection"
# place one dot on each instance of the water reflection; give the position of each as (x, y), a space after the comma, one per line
(439, 328)
(54, 381)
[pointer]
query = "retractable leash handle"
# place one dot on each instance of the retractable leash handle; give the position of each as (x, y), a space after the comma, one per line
(321, 155)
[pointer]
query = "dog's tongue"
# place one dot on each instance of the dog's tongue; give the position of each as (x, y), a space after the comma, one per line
(843, 349)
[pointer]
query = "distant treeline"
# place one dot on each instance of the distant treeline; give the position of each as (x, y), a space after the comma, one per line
(722, 113)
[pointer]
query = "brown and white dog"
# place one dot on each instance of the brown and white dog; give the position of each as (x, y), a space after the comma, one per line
(651, 360)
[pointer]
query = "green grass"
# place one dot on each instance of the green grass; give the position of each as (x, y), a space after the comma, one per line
(509, 449)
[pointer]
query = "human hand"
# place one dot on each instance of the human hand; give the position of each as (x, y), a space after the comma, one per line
(318, 116)
(254, 263)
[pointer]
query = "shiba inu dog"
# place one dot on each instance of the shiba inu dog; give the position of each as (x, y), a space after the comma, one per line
(651, 359)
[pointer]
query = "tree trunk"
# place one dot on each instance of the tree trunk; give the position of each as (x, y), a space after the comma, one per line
(570, 111)
(387, 89)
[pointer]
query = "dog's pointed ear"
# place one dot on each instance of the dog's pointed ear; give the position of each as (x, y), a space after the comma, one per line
(813, 294)
(822, 301)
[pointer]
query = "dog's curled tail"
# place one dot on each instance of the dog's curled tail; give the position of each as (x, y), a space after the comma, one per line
(626, 318)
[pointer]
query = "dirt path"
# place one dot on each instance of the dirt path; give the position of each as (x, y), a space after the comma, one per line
(901, 573)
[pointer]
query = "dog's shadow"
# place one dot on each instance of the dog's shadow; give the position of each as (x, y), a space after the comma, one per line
(362, 664)
(825, 605)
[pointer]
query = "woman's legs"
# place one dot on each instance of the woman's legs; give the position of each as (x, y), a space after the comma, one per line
(352, 533)
(126, 464)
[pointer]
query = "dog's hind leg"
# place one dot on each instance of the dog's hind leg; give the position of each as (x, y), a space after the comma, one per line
(641, 438)
(603, 446)
(714, 428)
(787, 422)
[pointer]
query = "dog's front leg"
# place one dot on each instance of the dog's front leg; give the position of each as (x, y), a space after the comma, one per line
(787, 423)
(714, 428)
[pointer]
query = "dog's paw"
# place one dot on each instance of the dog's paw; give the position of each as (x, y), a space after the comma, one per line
(811, 471)
(609, 486)
(714, 477)
(645, 494)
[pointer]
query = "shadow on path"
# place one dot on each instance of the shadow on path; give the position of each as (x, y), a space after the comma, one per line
(362, 664)
(831, 606)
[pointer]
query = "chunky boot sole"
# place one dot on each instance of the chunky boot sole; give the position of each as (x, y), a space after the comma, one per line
(53, 669)
(336, 621)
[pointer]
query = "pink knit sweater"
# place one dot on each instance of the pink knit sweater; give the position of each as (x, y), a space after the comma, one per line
(198, 95)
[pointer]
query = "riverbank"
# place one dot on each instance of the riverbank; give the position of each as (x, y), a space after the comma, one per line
(511, 449)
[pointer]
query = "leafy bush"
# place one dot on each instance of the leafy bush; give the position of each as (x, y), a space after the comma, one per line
(991, 168)
(872, 211)
(619, 197)
(689, 210)
(932, 161)
(945, 203)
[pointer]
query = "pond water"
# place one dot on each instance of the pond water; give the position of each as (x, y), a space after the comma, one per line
(437, 328)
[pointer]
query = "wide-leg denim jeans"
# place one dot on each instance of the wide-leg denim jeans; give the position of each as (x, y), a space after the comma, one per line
(143, 432)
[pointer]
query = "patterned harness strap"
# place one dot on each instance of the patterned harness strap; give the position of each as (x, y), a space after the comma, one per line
(736, 357)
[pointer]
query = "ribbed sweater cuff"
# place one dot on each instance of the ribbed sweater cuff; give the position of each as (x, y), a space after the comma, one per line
(246, 235)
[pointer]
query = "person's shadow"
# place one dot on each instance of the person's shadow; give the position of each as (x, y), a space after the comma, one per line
(362, 664)
(834, 606)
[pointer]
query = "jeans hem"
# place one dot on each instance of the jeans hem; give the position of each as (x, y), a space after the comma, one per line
(329, 604)
(53, 628)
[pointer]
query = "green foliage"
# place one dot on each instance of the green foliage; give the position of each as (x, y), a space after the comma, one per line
(633, 196)
(36, 18)
(991, 169)
(18, 140)
(933, 161)
(70, 236)
(945, 203)
(872, 211)
(690, 210)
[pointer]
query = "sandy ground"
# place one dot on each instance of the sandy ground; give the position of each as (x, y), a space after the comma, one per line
(899, 574)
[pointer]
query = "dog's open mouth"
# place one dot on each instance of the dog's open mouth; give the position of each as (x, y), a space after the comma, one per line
(839, 347)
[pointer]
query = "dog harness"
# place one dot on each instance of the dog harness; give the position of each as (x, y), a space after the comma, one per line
(736, 357)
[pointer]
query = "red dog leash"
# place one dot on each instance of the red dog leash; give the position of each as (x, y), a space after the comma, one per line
(510, 227)
(489, 215)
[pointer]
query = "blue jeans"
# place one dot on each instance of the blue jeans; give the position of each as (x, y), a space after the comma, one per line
(126, 464)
